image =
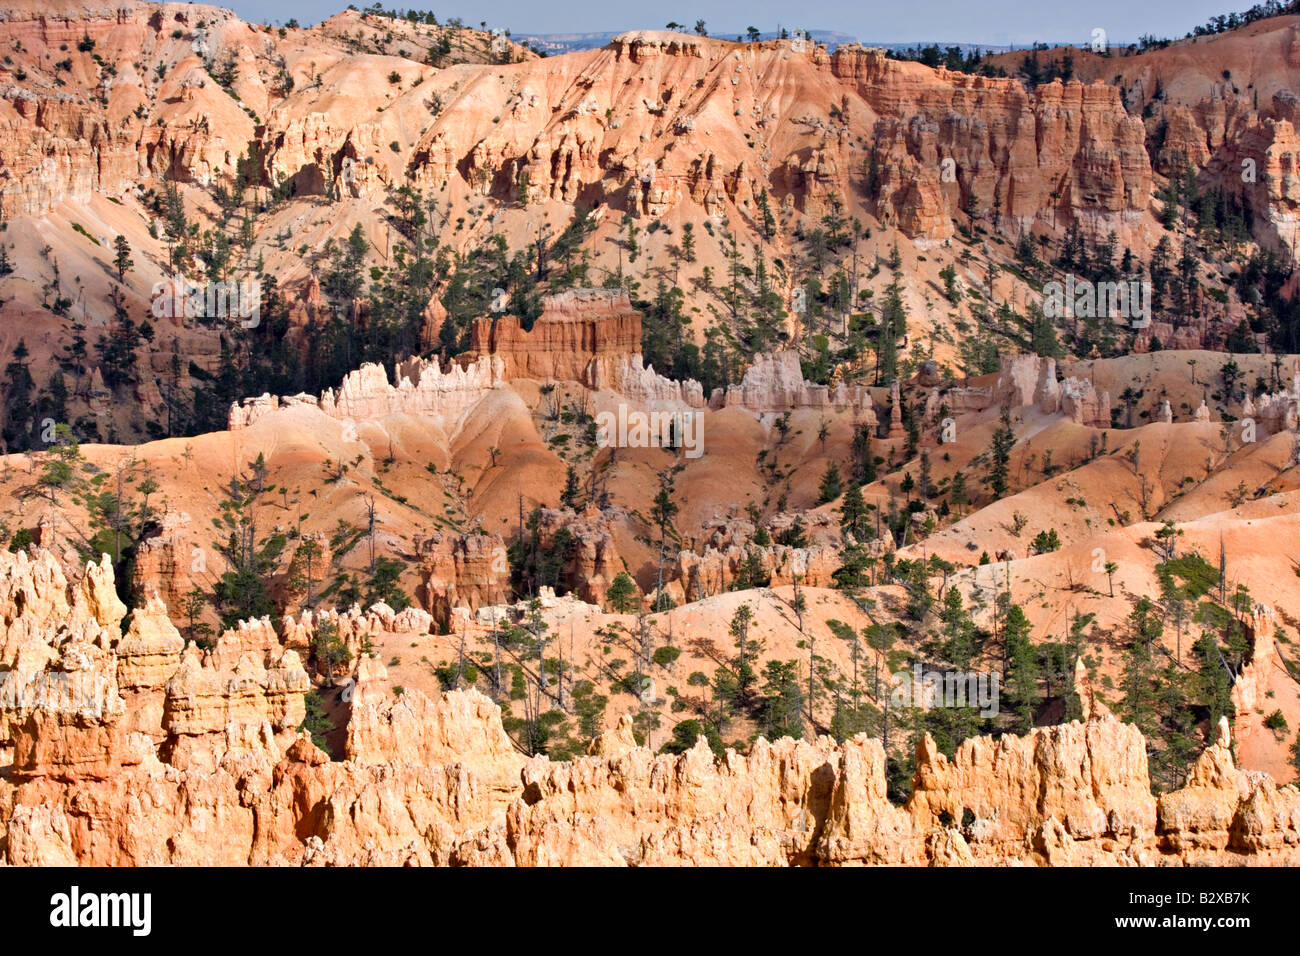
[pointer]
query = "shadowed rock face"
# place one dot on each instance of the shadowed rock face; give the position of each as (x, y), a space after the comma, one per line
(438, 781)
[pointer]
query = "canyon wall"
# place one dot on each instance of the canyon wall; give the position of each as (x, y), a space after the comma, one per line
(110, 130)
(656, 122)
(1069, 150)
(1223, 105)
(649, 123)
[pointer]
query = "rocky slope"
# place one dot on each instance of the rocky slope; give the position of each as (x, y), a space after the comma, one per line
(452, 462)
(103, 109)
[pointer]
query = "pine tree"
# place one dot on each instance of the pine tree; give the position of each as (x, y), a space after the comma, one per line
(569, 496)
(688, 242)
(864, 460)
(747, 652)
(1022, 659)
(1004, 439)
(329, 649)
(19, 424)
(243, 590)
(957, 493)
(853, 511)
(1137, 705)
(1215, 684)
(830, 486)
(781, 710)
(622, 595)
(1042, 336)
(122, 259)
(893, 326)
(768, 221)
(315, 721)
(662, 513)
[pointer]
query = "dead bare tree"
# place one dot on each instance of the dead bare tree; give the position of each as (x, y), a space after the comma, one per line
(370, 528)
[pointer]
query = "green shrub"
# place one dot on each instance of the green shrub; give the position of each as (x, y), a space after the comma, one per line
(666, 655)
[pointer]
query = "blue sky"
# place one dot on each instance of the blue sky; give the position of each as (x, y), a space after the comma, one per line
(989, 21)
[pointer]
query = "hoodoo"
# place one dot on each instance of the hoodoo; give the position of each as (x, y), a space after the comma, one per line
(428, 444)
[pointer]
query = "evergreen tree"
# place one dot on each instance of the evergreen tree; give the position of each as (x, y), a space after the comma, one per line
(569, 496)
(780, 713)
(243, 590)
(830, 486)
(1022, 659)
(747, 652)
(767, 220)
(315, 721)
(19, 425)
(622, 595)
(1042, 336)
(122, 257)
(893, 326)
(329, 650)
(864, 459)
(853, 511)
(662, 513)
(957, 493)
(1004, 440)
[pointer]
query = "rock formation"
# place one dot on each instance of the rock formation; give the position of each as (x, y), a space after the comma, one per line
(1007, 147)
(588, 336)
(896, 430)
(215, 706)
(165, 558)
(56, 640)
(1074, 784)
(1031, 380)
(775, 383)
(438, 781)
(353, 626)
(123, 744)
(726, 553)
(147, 657)
(1278, 411)
(591, 560)
(462, 570)
(579, 337)
(422, 388)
